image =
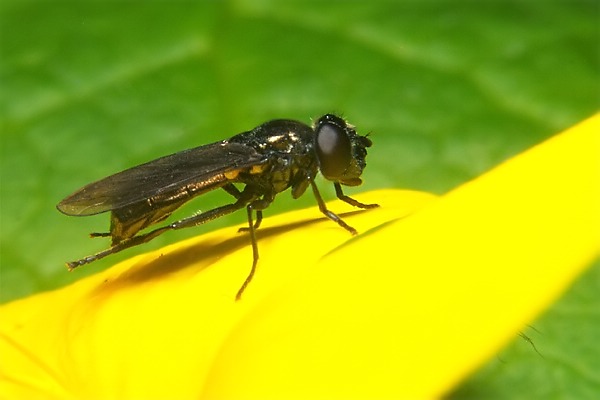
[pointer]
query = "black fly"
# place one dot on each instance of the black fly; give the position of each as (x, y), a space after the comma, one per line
(269, 159)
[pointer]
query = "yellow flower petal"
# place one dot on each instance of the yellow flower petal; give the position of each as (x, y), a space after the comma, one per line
(428, 291)
(151, 327)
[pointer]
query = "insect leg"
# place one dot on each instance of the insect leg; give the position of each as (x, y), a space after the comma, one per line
(340, 195)
(257, 205)
(235, 192)
(250, 229)
(259, 217)
(100, 234)
(184, 223)
(124, 244)
(206, 216)
(232, 190)
(329, 214)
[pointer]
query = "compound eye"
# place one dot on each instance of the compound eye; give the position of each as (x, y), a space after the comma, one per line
(334, 150)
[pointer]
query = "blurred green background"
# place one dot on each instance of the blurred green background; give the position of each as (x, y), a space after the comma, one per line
(448, 89)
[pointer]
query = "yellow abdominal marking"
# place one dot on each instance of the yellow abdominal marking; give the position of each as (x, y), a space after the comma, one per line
(232, 174)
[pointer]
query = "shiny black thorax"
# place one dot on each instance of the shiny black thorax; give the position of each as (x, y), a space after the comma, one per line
(286, 147)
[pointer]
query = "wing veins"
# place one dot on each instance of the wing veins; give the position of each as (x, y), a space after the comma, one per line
(160, 177)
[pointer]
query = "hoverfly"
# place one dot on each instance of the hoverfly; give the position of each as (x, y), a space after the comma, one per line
(275, 156)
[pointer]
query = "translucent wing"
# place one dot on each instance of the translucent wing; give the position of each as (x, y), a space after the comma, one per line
(203, 166)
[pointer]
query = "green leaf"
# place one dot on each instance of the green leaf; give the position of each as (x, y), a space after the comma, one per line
(448, 90)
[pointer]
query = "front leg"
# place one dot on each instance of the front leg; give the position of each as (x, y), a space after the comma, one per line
(340, 195)
(329, 214)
